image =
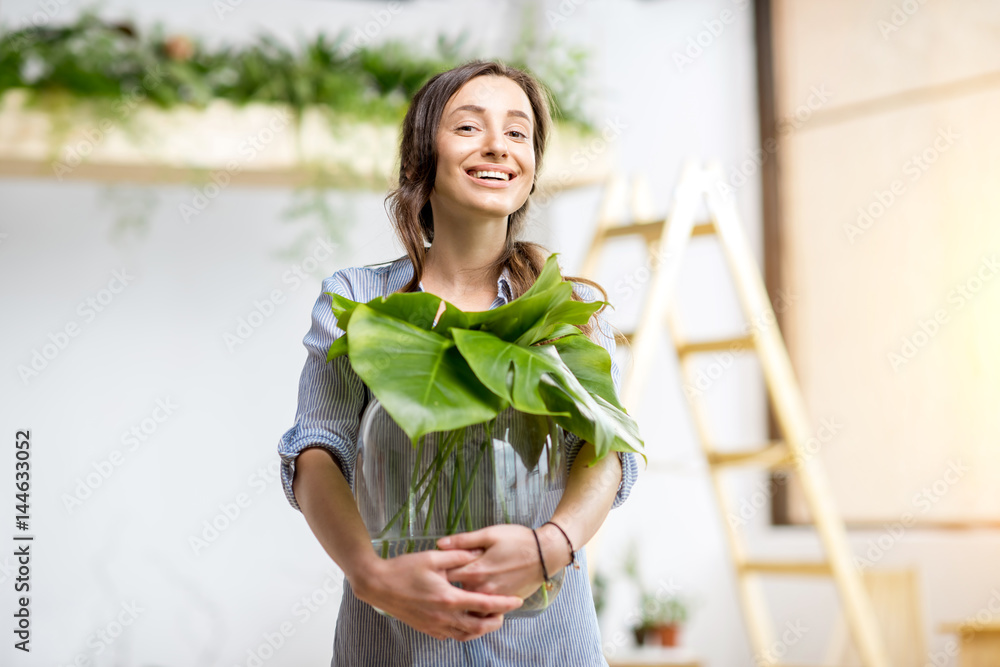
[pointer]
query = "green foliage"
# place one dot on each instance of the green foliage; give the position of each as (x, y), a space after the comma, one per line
(93, 60)
(465, 368)
(659, 610)
(419, 376)
(656, 608)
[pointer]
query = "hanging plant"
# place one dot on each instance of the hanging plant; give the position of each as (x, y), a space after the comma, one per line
(91, 59)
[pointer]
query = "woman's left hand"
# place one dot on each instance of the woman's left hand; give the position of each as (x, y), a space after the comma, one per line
(509, 564)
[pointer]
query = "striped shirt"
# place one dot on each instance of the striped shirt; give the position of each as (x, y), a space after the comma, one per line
(332, 399)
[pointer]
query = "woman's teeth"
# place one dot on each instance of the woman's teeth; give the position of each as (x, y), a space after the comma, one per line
(499, 175)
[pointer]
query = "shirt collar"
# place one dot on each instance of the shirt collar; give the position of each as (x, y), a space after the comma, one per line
(503, 286)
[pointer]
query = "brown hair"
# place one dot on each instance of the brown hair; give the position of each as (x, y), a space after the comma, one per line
(409, 202)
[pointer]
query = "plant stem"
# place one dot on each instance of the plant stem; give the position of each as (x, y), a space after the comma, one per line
(410, 509)
(464, 507)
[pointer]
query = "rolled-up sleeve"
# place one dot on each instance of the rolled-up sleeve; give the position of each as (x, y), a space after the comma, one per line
(331, 395)
(604, 335)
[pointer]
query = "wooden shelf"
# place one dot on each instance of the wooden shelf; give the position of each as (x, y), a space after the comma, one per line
(257, 145)
(655, 657)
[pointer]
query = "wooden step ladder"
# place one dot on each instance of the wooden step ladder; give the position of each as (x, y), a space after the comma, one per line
(667, 239)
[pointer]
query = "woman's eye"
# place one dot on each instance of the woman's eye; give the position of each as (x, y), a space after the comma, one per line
(522, 134)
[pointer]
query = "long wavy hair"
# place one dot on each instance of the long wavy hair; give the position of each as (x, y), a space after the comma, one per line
(409, 203)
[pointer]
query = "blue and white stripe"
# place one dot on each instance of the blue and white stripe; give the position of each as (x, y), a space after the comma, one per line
(332, 399)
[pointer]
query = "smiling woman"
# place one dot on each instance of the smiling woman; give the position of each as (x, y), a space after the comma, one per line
(472, 144)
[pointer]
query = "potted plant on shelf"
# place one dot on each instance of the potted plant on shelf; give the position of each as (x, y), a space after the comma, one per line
(658, 618)
(661, 620)
(470, 410)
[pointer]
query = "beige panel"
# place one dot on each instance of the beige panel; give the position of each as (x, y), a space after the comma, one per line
(863, 288)
(858, 52)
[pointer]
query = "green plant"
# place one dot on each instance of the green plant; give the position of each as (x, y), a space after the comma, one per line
(659, 610)
(442, 371)
(92, 70)
(656, 608)
(91, 59)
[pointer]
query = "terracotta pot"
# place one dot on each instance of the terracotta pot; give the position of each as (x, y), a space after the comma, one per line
(662, 635)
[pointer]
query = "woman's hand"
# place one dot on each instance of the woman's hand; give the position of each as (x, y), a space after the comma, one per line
(414, 589)
(509, 564)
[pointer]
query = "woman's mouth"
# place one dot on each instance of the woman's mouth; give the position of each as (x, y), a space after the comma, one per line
(491, 178)
(490, 175)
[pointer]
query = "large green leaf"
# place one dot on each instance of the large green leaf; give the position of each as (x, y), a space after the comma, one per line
(453, 318)
(554, 331)
(417, 308)
(419, 376)
(586, 418)
(574, 312)
(559, 312)
(592, 418)
(591, 364)
(341, 306)
(536, 380)
(526, 313)
(548, 278)
(509, 371)
(337, 349)
(525, 318)
(626, 431)
(515, 373)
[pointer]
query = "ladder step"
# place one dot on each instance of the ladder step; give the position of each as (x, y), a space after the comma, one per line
(715, 345)
(773, 455)
(650, 230)
(811, 569)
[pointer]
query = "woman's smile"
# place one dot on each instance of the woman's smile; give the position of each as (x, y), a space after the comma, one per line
(491, 175)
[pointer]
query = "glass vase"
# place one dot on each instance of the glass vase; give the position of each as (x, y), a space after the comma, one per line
(510, 470)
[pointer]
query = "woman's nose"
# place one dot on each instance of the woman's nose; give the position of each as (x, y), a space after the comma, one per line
(495, 143)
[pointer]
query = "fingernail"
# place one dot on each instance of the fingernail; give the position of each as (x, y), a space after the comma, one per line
(444, 542)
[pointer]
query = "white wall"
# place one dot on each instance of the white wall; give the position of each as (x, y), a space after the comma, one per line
(162, 337)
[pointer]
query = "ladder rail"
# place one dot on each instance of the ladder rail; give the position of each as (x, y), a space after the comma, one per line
(672, 244)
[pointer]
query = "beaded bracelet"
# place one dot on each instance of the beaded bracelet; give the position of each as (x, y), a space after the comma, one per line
(572, 551)
(541, 558)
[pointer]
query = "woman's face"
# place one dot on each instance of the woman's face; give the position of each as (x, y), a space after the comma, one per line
(485, 150)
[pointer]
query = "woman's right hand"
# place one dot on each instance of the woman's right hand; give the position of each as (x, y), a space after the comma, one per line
(414, 589)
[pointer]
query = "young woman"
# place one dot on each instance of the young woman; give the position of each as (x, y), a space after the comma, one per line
(473, 140)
